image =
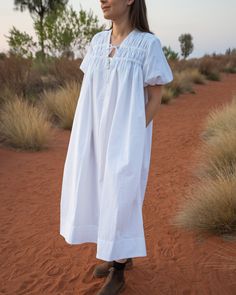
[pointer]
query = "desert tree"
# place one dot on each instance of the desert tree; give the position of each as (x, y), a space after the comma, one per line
(38, 10)
(186, 44)
(67, 31)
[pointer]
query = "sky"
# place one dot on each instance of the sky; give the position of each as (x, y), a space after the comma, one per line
(212, 23)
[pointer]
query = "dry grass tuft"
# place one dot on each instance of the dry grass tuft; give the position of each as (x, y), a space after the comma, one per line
(167, 95)
(24, 126)
(211, 203)
(195, 76)
(211, 207)
(220, 120)
(218, 155)
(61, 104)
(181, 83)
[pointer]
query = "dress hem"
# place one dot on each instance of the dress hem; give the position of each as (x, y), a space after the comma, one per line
(106, 250)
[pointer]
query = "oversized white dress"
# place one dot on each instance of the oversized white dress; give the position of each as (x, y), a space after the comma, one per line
(107, 162)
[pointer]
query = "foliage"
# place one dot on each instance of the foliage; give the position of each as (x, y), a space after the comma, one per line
(3, 55)
(15, 73)
(230, 51)
(38, 11)
(186, 45)
(21, 44)
(209, 67)
(65, 30)
(170, 54)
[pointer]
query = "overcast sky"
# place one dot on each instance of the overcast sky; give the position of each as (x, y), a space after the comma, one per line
(212, 23)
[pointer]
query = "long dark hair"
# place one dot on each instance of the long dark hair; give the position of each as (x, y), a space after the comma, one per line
(138, 16)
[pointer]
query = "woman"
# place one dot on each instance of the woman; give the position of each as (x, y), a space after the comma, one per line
(107, 163)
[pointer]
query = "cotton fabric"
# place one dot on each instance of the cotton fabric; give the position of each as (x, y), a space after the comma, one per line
(107, 162)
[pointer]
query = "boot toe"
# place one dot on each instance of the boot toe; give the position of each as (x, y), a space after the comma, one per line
(102, 270)
(114, 284)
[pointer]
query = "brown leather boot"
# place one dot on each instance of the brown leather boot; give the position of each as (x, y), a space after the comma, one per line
(114, 283)
(102, 270)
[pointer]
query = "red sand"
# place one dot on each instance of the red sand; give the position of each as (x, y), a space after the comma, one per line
(35, 259)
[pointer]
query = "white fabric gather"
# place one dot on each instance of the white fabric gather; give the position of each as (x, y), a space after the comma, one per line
(107, 162)
(138, 47)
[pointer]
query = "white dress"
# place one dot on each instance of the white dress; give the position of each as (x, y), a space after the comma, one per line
(107, 163)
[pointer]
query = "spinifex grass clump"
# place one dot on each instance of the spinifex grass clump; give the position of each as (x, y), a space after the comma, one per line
(211, 207)
(218, 155)
(211, 203)
(61, 104)
(195, 76)
(24, 126)
(220, 120)
(181, 83)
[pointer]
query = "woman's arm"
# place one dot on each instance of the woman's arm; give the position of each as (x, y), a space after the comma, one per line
(154, 102)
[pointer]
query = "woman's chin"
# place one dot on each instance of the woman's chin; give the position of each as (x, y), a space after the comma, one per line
(106, 16)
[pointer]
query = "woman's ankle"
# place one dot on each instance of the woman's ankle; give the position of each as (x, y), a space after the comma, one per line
(121, 260)
(119, 265)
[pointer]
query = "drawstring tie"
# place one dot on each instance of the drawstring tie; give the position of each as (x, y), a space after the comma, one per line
(109, 51)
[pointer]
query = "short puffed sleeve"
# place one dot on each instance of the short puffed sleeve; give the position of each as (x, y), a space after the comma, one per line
(85, 62)
(156, 70)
